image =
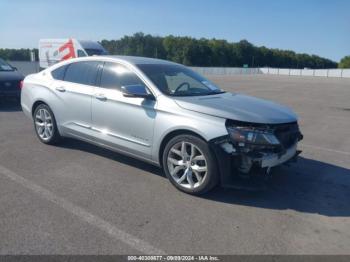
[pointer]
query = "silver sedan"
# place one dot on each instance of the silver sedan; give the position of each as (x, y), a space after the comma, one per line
(163, 113)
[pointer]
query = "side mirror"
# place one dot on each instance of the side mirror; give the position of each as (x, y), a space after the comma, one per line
(14, 68)
(136, 91)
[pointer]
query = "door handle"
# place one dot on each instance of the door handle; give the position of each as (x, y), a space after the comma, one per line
(100, 97)
(60, 89)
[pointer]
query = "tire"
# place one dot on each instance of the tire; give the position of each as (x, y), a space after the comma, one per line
(45, 125)
(188, 175)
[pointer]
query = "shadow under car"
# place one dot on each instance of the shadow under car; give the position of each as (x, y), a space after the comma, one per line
(308, 186)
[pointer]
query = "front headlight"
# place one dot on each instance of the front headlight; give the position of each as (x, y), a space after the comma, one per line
(249, 135)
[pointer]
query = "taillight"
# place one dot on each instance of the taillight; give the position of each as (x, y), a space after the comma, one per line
(21, 84)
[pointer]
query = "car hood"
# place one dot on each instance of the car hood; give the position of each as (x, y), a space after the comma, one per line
(10, 76)
(238, 107)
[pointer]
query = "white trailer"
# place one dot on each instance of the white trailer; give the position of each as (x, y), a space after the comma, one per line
(52, 51)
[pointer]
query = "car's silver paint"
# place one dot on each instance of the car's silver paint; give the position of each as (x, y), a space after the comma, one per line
(125, 122)
(75, 105)
(239, 107)
(136, 126)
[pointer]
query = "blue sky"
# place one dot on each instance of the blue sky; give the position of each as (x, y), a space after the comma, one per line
(315, 27)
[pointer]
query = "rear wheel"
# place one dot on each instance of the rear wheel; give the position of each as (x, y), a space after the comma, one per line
(45, 125)
(190, 165)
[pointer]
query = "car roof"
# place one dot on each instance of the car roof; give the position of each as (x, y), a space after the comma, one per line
(136, 60)
(133, 60)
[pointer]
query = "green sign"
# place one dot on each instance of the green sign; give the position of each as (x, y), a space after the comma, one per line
(245, 66)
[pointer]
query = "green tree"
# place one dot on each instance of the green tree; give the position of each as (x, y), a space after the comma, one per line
(345, 62)
(16, 54)
(200, 52)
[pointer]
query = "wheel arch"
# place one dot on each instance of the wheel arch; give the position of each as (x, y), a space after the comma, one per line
(171, 135)
(36, 104)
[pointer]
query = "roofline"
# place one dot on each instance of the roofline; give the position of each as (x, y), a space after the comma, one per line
(131, 60)
(140, 59)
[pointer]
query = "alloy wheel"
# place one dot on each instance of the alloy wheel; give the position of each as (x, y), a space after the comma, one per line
(187, 165)
(44, 124)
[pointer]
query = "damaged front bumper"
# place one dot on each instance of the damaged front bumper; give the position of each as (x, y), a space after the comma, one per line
(250, 166)
(272, 160)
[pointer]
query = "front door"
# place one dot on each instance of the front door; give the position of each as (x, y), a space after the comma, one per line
(125, 123)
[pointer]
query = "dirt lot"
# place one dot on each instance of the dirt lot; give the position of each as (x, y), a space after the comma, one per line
(79, 199)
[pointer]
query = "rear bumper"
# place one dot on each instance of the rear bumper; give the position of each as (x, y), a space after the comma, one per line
(230, 165)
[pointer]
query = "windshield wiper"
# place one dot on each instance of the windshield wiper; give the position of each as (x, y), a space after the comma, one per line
(198, 94)
(215, 93)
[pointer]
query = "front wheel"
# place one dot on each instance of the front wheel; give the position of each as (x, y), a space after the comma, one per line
(189, 164)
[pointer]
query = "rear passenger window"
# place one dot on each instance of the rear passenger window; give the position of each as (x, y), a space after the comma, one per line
(82, 72)
(58, 73)
(114, 76)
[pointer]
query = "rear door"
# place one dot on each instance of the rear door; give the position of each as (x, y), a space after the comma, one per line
(125, 123)
(75, 93)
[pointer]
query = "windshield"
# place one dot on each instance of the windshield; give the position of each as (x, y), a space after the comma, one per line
(92, 52)
(177, 80)
(5, 66)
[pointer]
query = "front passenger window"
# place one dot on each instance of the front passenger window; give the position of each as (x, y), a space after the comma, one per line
(114, 76)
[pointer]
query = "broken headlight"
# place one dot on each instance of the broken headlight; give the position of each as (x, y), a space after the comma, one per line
(250, 135)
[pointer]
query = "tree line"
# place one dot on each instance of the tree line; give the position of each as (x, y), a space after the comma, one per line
(200, 52)
(212, 52)
(22, 54)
